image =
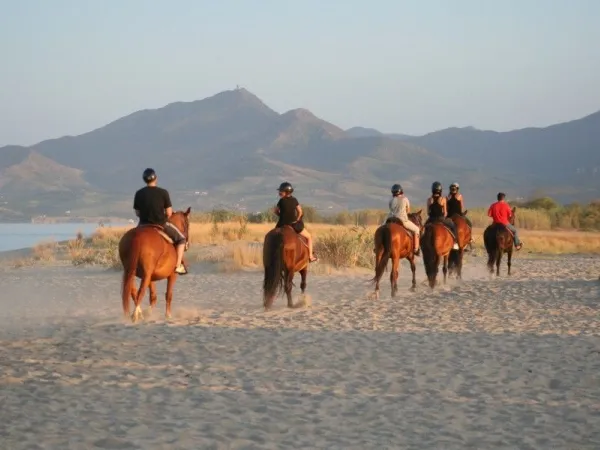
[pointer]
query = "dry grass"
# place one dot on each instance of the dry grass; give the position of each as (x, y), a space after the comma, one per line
(236, 246)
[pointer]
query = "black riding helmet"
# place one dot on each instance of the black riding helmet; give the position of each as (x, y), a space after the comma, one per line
(149, 175)
(286, 187)
(396, 189)
(436, 187)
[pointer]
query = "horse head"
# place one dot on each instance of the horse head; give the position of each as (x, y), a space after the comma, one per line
(512, 216)
(417, 219)
(181, 219)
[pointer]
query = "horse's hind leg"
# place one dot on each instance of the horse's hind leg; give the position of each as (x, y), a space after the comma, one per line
(461, 254)
(153, 297)
(509, 259)
(145, 282)
(413, 269)
(445, 268)
(289, 278)
(498, 261)
(394, 274)
(303, 274)
(169, 294)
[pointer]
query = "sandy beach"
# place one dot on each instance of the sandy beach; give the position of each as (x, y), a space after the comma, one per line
(484, 363)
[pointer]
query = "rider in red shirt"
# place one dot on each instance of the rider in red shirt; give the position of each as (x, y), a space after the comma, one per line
(501, 213)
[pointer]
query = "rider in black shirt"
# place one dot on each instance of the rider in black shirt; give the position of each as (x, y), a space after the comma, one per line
(290, 213)
(152, 204)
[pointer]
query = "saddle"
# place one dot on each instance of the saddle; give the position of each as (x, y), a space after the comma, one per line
(302, 239)
(496, 227)
(398, 222)
(441, 222)
(160, 231)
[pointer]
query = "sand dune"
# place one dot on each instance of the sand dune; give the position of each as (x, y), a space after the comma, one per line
(485, 363)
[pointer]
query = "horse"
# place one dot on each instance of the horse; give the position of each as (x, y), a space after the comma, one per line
(498, 240)
(463, 231)
(285, 252)
(436, 243)
(148, 253)
(394, 241)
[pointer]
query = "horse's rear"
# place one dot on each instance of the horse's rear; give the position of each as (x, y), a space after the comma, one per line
(436, 244)
(285, 252)
(498, 240)
(392, 241)
(146, 254)
(463, 231)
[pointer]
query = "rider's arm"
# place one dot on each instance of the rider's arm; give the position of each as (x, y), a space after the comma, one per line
(444, 207)
(462, 203)
(407, 206)
(136, 206)
(167, 204)
(299, 212)
(490, 211)
(276, 209)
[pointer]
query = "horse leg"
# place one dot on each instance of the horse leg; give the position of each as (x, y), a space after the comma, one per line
(169, 294)
(394, 274)
(461, 253)
(498, 260)
(289, 278)
(303, 274)
(413, 269)
(508, 259)
(445, 268)
(137, 313)
(153, 297)
(378, 257)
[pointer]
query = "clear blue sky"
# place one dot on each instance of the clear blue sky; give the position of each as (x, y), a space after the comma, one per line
(69, 66)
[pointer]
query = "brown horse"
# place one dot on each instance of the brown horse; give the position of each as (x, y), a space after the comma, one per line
(436, 243)
(146, 253)
(394, 241)
(284, 253)
(463, 230)
(498, 240)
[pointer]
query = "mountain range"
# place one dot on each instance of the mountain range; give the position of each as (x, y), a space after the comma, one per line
(232, 150)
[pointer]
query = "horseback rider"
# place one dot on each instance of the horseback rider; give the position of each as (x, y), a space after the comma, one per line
(399, 209)
(152, 204)
(289, 211)
(501, 213)
(436, 210)
(455, 204)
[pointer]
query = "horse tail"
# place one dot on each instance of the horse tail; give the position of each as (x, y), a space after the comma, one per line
(491, 244)
(430, 256)
(129, 270)
(273, 264)
(386, 242)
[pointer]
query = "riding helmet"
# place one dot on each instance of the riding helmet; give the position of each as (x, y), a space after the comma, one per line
(454, 186)
(149, 175)
(396, 188)
(436, 187)
(286, 187)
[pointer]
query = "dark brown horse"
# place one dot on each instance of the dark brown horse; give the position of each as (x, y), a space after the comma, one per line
(499, 240)
(284, 253)
(148, 253)
(394, 241)
(463, 230)
(436, 243)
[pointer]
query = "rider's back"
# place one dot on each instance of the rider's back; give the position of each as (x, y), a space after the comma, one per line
(500, 212)
(151, 202)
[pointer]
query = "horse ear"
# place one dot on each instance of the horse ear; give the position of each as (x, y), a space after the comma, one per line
(419, 212)
(187, 211)
(514, 208)
(465, 213)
